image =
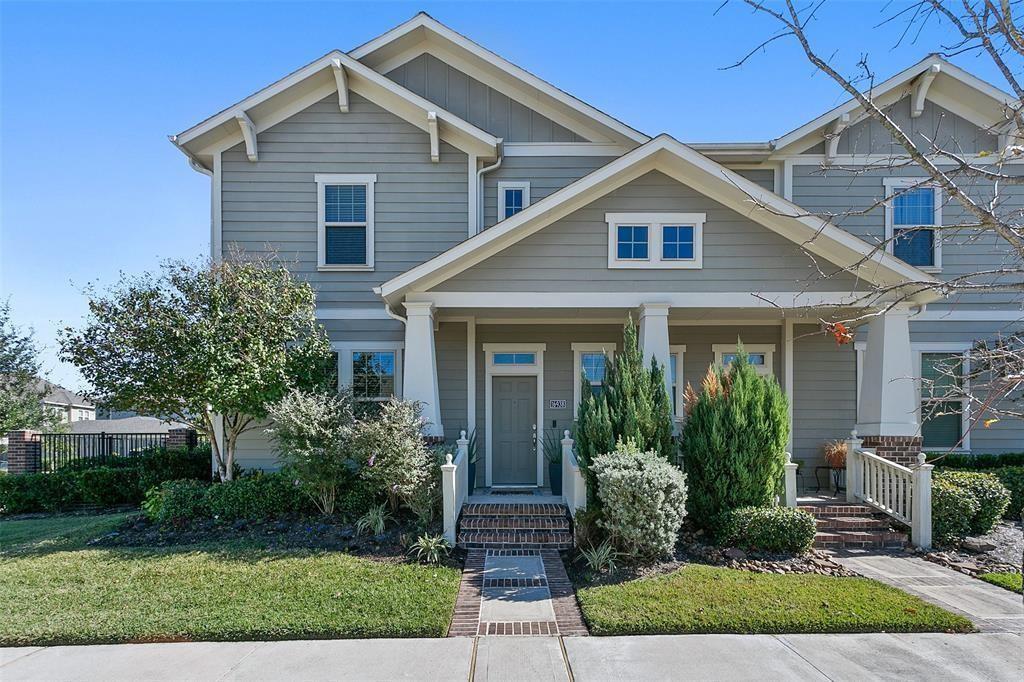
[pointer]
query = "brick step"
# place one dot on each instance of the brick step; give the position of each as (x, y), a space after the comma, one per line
(839, 509)
(497, 509)
(842, 539)
(851, 523)
(515, 539)
(496, 522)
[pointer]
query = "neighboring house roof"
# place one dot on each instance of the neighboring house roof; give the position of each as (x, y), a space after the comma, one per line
(693, 169)
(126, 425)
(335, 72)
(58, 395)
(423, 34)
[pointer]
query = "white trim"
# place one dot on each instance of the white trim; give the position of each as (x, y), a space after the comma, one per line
(892, 188)
(656, 224)
(217, 227)
(341, 83)
(680, 388)
(511, 184)
(491, 370)
(619, 319)
(324, 179)
(578, 349)
(345, 349)
(767, 369)
(248, 135)
(954, 315)
(376, 313)
(886, 160)
(962, 348)
(858, 348)
(564, 149)
(470, 375)
(435, 137)
(536, 299)
(788, 381)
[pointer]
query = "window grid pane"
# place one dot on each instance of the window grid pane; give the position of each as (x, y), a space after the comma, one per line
(677, 242)
(373, 375)
(914, 207)
(914, 246)
(593, 365)
(513, 202)
(514, 358)
(632, 242)
(942, 425)
(345, 203)
(345, 245)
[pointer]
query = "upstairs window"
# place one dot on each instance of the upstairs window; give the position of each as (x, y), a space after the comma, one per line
(912, 214)
(345, 221)
(513, 197)
(655, 240)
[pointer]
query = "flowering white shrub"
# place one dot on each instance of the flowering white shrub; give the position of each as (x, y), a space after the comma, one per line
(643, 501)
(396, 460)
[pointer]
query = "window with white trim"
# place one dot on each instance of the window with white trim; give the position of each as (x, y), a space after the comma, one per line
(590, 360)
(345, 209)
(912, 212)
(513, 197)
(761, 356)
(943, 408)
(655, 240)
(373, 371)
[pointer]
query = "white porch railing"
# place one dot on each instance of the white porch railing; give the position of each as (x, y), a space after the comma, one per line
(574, 488)
(454, 486)
(903, 493)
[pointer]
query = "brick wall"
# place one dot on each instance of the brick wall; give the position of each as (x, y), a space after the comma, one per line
(24, 452)
(900, 449)
(181, 439)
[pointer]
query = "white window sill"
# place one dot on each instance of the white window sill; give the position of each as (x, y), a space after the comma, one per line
(345, 268)
(930, 269)
(655, 265)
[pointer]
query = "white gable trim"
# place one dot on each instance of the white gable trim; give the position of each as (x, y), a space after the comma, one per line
(691, 168)
(423, 33)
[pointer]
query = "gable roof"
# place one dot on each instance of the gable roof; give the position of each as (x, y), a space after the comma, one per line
(691, 168)
(58, 395)
(952, 88)
(310, 84)
(423, 33)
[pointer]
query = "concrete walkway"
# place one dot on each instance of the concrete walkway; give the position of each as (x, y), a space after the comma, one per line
(990, 657)
(990, 608)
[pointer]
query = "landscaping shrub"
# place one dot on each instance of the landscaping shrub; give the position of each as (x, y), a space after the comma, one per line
(162, 464)
(395, 461)
(107, 486)
(734, 441)
(176, 502)
(1013, 479)
(25, 493)
(953, 507)
(990, 495)
(769, 529)
(643, 501)
(959, 460)
(258, 496)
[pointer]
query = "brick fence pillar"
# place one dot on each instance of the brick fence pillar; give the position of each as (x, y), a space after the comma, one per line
(899, 449)
(181, 439)
(24, 452)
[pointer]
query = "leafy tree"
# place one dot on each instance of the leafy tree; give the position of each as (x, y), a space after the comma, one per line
(21, 391)
(202, 342)
(633, 407)
(734, 440)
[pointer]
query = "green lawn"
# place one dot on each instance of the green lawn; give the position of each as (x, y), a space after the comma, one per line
(706, 599)
(1008, 581)
(53, 532)
(65, 593)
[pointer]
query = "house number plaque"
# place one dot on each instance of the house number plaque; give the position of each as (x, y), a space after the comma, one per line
(556, 404)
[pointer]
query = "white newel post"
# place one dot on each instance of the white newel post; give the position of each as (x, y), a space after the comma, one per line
(791, 468)
(921, 512)
(420, 376)
(854, 484)
(888, 394)
(449, 511)
(654, 337)
(463, 458)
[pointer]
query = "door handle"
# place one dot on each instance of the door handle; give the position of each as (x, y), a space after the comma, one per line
(534, 434)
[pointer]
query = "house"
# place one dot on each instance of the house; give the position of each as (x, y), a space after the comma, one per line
(68, 406)
(477, 237)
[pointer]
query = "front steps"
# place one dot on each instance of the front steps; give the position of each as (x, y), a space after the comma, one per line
(523, 526)
(853, 526)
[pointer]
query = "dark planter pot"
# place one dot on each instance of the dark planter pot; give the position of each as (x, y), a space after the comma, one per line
(555, 477)
(472, 477)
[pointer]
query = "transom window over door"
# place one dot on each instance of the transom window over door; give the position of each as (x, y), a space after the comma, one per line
(912, 213)
(655, 240)
(345, 221)
(761, 356)
(513, 197)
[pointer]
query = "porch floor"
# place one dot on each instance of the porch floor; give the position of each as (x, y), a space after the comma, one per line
(489, 496)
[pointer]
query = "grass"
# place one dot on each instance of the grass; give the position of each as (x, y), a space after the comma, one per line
(1008, 581)
(54, 590)
(706, 599)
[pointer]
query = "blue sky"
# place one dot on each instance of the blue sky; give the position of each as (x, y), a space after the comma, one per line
(90, 186)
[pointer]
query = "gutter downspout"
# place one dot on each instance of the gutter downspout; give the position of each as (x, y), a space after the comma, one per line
(480, 185)
(193, 162)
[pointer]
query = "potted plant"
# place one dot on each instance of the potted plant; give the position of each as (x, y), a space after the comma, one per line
(471, 454)
(553, 454)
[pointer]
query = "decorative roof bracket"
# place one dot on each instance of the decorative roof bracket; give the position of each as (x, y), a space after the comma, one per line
(341, 80)
(435, 137)
(248, 134)
(921, 85)
(832, 137)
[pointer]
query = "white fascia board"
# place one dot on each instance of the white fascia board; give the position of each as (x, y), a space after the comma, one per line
(691, 168)
(364, 81)
(434, 32)
(773, 300)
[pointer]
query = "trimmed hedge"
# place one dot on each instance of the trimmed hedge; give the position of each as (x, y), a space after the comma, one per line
(991, 495)
(959, 460)
(1013, 479)
(113, 483)
(953, 507)
(769, 529)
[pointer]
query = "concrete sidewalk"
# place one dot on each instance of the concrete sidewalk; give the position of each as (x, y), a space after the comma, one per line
(991, 657)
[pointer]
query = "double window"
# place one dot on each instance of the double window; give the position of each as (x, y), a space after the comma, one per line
(913, 211)
(345, 210)
(655, 240)
(513, 197)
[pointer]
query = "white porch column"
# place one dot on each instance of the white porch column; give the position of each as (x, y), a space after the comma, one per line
(888, 395)
(419, 381)
(654, 337)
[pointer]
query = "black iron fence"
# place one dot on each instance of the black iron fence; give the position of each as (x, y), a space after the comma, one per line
(58, 450)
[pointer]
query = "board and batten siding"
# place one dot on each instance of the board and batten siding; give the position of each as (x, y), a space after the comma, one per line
(270, 205)
(481, 105)
(572, 253)
(546, 175)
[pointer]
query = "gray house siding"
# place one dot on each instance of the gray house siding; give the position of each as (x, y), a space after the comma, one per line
(546, 174)
(572, 253)
(477, 103)
(270, 205)
(764, 177)
(824, 395)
